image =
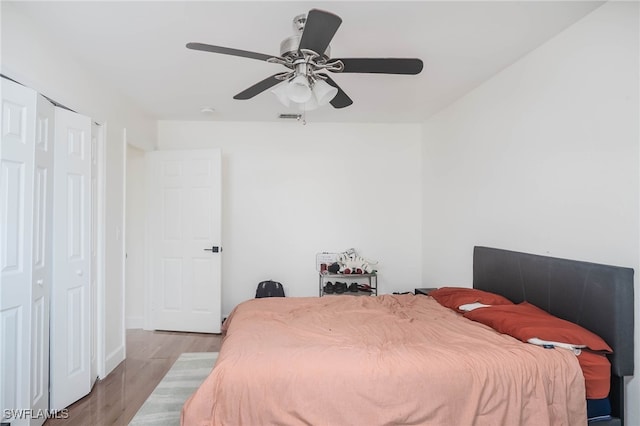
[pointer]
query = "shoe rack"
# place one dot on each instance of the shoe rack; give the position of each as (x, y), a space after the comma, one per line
(340, 284)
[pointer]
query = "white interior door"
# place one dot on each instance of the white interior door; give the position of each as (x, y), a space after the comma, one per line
(71, 292)
(16, 254)
(184, 235)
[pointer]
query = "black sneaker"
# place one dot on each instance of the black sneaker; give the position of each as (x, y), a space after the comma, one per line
(353, 287)
(341, 287)
(329, 288)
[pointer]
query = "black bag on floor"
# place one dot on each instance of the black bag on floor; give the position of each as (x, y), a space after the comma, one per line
(269, 289)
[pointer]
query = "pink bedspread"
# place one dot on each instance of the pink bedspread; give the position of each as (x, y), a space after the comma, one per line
(347, 360)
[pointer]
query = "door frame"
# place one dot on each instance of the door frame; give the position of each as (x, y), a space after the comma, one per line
(101, 241)
(148, 247)
(123, 241)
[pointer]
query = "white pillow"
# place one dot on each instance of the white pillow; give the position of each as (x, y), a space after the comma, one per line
(577, 349)
(471, 306)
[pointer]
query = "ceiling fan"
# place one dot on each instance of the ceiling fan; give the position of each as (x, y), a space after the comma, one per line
(307, 57)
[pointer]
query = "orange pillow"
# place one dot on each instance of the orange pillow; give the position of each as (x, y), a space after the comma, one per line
(453, 297)
(525, 321)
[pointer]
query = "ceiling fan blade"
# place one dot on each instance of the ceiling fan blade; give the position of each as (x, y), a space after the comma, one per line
(410, 66)
(319, 29)
(341, 99)
(258, 88)
(228, 51)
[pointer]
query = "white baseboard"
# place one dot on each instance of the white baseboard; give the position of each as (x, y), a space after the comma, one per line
(134, 322)
(113, 359)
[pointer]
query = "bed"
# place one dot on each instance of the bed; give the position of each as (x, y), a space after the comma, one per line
(404, 359)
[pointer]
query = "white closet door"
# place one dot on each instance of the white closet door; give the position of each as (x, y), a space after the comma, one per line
(185, 235)
(42, 256)
(16, 218)
(71, 292)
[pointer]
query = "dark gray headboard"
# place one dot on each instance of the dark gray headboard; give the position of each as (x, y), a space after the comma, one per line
(597, 297)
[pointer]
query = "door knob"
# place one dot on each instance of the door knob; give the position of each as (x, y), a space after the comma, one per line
(214, 249)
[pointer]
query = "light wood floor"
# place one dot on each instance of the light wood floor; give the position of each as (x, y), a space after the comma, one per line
(150, 354)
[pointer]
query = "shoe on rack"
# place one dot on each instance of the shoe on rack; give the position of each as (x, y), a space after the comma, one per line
(353, 287)
(340, 287)
(329, 288)
(364, 287)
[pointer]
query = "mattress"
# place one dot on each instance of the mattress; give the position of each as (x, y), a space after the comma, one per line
(392, 359)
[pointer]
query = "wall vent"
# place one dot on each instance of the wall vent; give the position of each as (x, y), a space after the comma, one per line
(290, 116)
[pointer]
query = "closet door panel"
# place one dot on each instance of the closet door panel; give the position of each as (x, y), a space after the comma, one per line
(42, 256)
(16, 215)
(71, 309)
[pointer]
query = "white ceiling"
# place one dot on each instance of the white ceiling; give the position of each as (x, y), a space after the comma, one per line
(139, 49)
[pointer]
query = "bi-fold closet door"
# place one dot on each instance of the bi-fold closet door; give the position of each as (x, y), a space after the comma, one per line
(40, 300)
(71, 318)
(26, 189)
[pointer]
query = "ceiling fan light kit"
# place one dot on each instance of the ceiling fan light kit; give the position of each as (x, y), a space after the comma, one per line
(324, 92)
(281, 93)
(308, 93)
(307, 55)
(299, 89)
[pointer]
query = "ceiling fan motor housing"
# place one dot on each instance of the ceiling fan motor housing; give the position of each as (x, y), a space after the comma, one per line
(289, 47)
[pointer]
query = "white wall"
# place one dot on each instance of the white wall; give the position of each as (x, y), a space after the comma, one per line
(290, 191)
(543, 158)
(35, 60)
(135, 234)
